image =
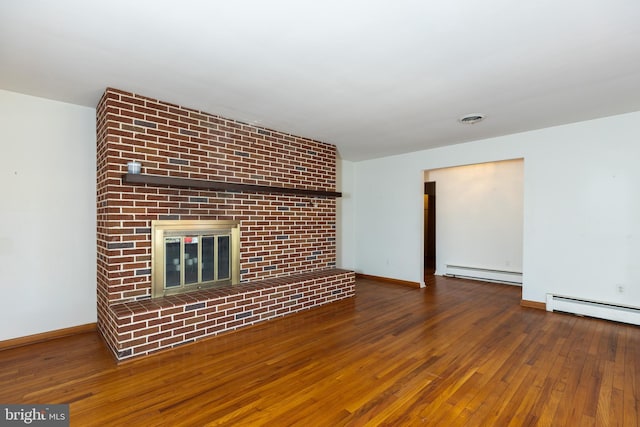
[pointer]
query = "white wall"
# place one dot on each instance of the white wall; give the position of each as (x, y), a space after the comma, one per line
(479, 215)
(48, 215)
(345, 232)
(389, 227)
(581, 229)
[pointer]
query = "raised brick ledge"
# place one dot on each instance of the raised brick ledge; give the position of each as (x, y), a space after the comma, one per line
(145, 327)
(133, 308)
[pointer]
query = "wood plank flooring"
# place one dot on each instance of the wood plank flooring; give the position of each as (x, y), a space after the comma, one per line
(456, 353)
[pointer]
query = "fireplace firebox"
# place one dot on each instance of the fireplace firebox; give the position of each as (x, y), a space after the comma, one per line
(193, 254)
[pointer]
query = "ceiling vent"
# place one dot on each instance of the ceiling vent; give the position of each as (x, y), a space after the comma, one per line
(470, 119)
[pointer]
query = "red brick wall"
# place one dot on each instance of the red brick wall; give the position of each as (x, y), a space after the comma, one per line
(280, 234)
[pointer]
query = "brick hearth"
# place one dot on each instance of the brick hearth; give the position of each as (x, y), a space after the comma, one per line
(282, 236)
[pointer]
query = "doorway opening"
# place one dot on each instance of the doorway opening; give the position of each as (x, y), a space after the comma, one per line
(429, 228)
(479, 221)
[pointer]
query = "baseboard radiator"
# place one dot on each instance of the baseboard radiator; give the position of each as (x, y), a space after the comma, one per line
(601, 310)
(485, 274)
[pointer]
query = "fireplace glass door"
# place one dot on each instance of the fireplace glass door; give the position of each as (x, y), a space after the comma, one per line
(196, 259)
(193, 257)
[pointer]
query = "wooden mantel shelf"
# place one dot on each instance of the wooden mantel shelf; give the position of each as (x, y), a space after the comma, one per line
(220, 186)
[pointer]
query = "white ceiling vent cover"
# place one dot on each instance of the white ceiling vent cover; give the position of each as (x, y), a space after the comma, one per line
(471, 119)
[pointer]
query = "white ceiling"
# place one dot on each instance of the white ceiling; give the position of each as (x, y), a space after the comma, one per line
(375, 78)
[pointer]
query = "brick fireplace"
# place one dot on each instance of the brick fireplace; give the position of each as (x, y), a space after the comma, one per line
(197, 166)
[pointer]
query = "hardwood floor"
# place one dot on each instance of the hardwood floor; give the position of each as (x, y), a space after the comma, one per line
(456, 353)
